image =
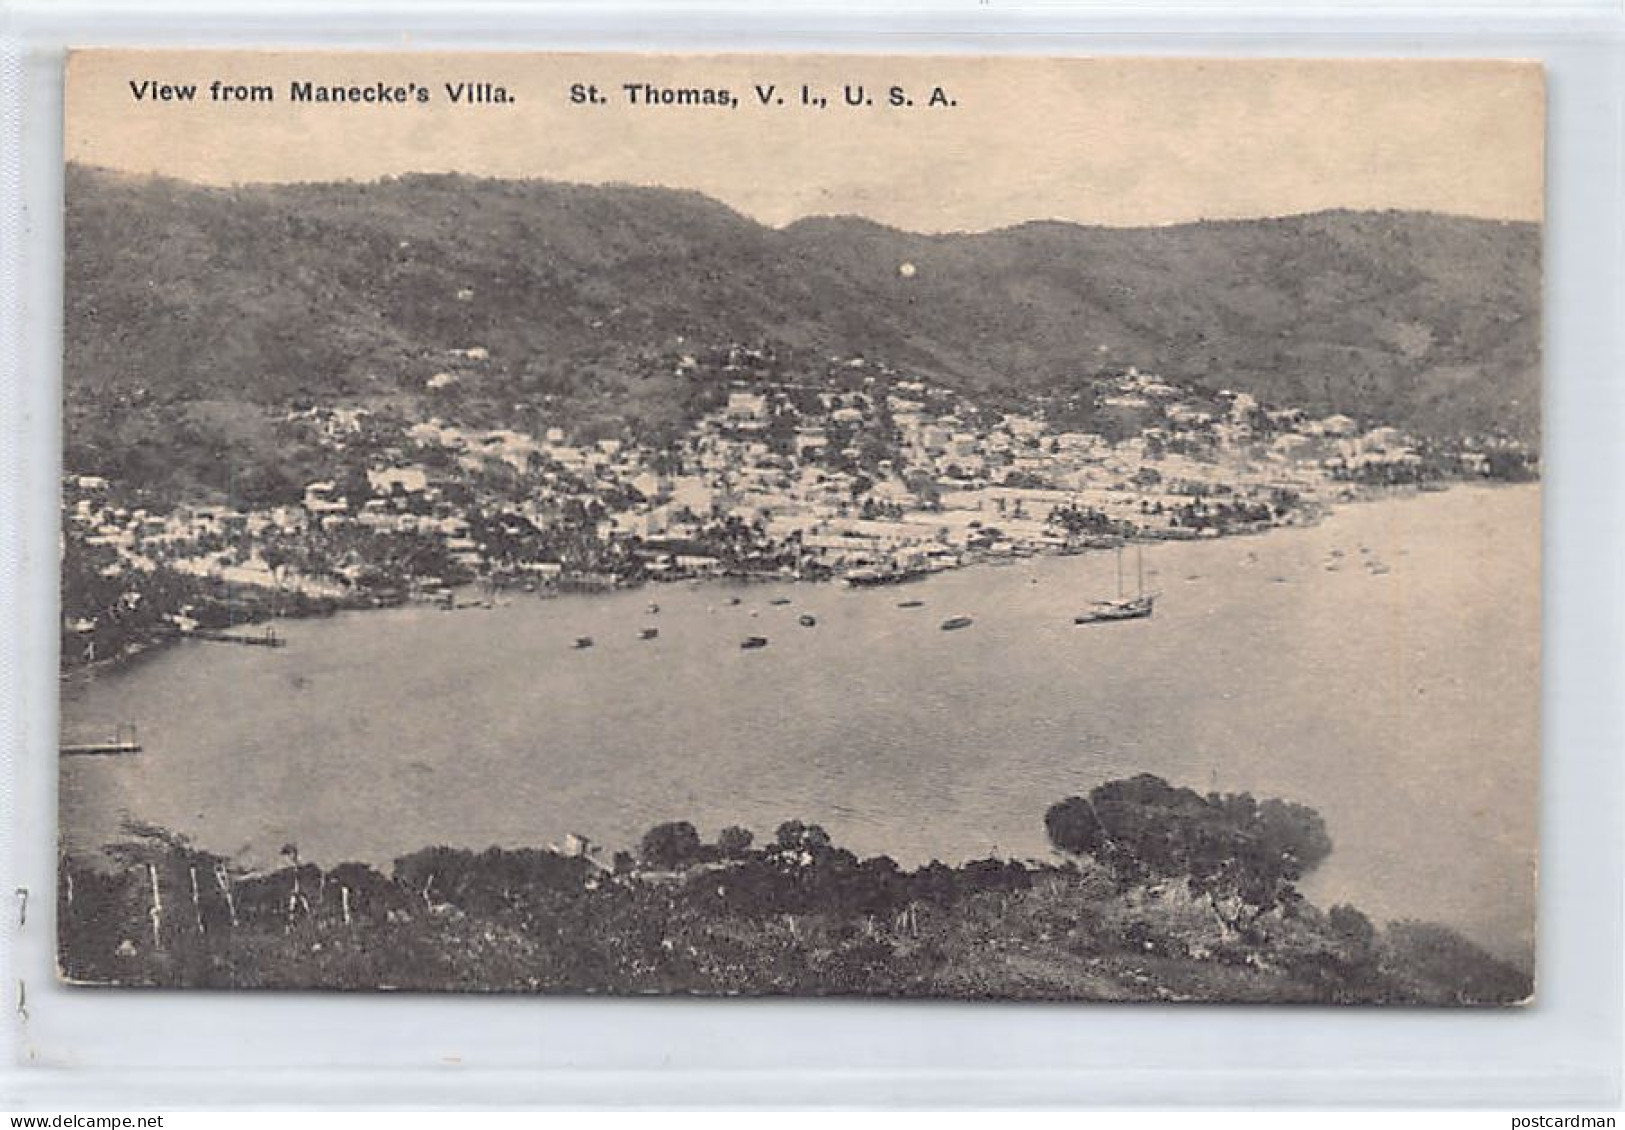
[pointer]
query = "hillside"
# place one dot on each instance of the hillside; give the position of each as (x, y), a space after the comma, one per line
(266, 294)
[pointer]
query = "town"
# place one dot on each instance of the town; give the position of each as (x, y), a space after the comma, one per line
(854, 470)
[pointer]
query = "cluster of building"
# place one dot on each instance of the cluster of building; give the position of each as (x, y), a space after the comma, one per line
(865, 468)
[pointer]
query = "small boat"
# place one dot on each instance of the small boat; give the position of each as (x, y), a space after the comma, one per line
(911, 604)
(649, 633)
(749, 643)
(1137, 607)
(1103, 611)
(807, 621)
(654, 609)
(733, 600)
(780, 600)
(891, 575)
(583, 642)
(954, 623)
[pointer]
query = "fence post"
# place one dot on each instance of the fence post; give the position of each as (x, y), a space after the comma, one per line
(157, 911)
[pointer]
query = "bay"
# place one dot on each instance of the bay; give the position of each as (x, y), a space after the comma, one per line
(1382, 667)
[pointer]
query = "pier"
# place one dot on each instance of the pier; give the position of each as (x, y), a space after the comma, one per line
(267, 638)
(123, 741)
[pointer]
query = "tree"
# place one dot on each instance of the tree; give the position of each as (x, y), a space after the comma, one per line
(259, 487)
(734, 841)
(793, 834)
(1350, 925)
(1225, 845)
(354, 485)
(671, 845)
(1073, 827)
(1508, 465)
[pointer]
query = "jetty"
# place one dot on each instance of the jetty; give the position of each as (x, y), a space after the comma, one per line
(123, 741)
(267, 638)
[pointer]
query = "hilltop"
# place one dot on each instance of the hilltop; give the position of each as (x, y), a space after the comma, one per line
(261, 296)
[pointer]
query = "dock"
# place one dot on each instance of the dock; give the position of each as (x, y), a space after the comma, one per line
(124, 741)
(267, 638)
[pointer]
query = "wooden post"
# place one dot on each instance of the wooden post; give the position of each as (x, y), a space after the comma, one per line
(223, 880)
(197, 903)
(293, 896)
(344, 897)
(157, 911)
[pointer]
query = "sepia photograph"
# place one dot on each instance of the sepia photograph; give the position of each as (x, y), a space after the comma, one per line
(990, 528)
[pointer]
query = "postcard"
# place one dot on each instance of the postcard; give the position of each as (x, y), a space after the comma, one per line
(903, 526)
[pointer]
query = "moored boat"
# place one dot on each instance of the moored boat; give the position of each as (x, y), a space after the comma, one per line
(583, 642)
(954, 623)
(750, 643)
(891, 575)
(1130, 608)
(1136, 607)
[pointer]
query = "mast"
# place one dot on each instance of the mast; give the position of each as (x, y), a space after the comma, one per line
(1139, 561)
(1119, 572)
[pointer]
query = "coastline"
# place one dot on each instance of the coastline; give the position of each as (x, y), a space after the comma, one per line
(366, 601)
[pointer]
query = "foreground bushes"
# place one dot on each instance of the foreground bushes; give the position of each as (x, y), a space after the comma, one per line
(1170, 896)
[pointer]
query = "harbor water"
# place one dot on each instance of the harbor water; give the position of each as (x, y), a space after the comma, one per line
(1381, 666)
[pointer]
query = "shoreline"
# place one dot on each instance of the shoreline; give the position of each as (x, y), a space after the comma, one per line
(370, 602)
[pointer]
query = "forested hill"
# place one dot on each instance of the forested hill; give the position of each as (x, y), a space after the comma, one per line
(268, 293)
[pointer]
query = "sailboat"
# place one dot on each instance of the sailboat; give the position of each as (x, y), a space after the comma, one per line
(1136, 607)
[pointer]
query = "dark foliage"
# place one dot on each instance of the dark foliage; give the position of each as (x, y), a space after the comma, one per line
(800, 915)
(1145, 828)
(670, 845)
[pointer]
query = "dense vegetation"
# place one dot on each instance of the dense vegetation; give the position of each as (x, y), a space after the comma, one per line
(1161, 894)
(195, 314)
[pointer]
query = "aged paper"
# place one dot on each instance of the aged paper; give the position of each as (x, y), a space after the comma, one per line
(903, 526)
